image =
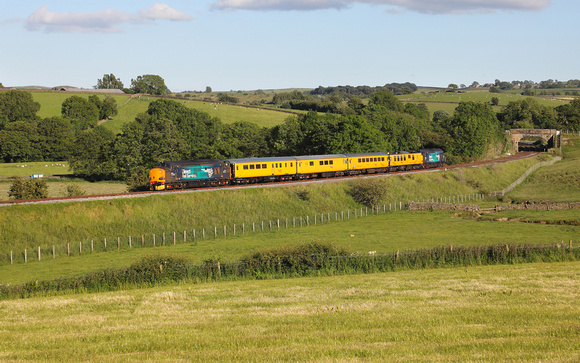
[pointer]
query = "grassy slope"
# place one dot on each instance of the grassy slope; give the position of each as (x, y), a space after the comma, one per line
(492, 313)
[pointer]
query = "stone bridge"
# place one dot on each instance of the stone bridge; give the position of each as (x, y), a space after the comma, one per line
(552, 137)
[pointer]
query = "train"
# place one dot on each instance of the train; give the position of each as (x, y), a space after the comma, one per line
(169, 175)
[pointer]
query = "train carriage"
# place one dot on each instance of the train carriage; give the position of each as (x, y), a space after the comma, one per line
(324, 166)
(376, 162)
(405, 161)
(252, 170)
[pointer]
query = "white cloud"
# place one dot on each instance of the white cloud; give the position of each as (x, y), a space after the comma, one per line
(105, 21)
(422, 6)
(163, 11)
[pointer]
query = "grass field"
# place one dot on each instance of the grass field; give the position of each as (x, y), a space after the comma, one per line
(129, 107)
(494, 313)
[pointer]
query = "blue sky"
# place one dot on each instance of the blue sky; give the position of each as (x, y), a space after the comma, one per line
(266, 44)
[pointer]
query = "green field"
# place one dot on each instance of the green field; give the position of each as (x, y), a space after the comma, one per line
(518, 313)
(129, 106)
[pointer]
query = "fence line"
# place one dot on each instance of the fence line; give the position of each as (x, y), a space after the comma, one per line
(270, 225)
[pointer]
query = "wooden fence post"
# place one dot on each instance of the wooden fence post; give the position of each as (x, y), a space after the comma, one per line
(11, 258)
(53, 252)
(118, 243)
(153, 239)
(25, 256)
(184, 236)
(105, 244)
(129, 242)
(92, 246)
(80, 247)
(38, 253)
(68, 248)
(174, 237)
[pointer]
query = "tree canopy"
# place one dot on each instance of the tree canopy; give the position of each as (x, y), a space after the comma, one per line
(109, 81)
(149, 83)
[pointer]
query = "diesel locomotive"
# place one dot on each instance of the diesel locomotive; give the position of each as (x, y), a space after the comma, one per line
(215, 172)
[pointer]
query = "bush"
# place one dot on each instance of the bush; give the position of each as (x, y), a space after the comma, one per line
(73, 190)
(368, 192)
(30, 189)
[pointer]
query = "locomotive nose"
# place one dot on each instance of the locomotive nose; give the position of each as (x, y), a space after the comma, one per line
(157, 179)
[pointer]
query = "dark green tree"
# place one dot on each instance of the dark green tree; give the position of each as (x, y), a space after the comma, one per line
(528, 113)
(109, 81)
(19, 142)
(17, 106)
(82, 113)
(386, 99)
(107, 107)
(93, 155)
(55, 138)
(149, 83)
(569, 115)
(473, 128)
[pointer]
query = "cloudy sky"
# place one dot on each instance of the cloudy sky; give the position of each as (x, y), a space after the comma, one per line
(265, 44)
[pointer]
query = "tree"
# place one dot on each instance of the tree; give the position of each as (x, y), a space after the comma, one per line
(149, 83)
(82, 113)
(55, 138)
(109, 81)
(208, 89)
(569, 115)
(93, 154)
(528, 113)
(473, 128)
(18, 142)
(386, 99)
(452, 87)
(17, 106)
(107, 107)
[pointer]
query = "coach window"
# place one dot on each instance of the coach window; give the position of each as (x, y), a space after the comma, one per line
(245, 167)
(331, 162)
(291, 164)
(325, 162)
(312, 163)
(251, 166)
(264, 166)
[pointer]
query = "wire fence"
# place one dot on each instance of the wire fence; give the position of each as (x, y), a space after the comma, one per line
(193, 235)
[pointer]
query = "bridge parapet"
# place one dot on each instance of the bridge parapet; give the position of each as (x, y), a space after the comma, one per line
(553, 137)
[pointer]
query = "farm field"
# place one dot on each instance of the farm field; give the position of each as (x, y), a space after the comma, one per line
(129, 106)
(383, 233)
(522, 312)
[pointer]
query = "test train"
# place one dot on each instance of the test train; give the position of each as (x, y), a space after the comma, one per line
(213, 172)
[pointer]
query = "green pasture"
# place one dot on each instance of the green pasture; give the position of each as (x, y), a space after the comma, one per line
(488, 313)
(384, 233)
(129, 106)
(447, 101)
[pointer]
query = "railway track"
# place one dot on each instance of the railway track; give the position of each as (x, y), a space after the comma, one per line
(518, 156)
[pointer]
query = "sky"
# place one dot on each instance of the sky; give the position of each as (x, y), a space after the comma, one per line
(276, 44)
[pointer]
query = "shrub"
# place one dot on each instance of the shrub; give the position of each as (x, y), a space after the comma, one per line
(73, 190)
(30, 189)
(368, 191)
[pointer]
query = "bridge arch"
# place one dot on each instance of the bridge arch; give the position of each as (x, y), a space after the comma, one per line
(552, 137)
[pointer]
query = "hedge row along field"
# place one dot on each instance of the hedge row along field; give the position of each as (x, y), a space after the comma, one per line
(292, 261)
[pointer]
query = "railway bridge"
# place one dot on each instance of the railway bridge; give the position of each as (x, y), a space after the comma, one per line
(552, 137)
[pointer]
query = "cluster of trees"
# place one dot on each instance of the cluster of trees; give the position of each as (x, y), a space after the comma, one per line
(26, 137)
(364, 91)
(148, 83)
